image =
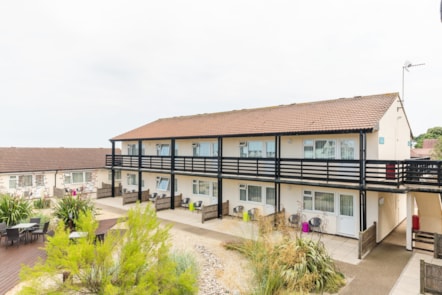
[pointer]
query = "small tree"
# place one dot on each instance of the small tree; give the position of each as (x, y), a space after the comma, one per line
(14, 209)
(135, 260)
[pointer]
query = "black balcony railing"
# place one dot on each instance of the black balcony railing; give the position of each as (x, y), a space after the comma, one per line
(379, 172)
(196, 164)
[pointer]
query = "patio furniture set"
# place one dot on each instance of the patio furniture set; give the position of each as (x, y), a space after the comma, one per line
(25, 231)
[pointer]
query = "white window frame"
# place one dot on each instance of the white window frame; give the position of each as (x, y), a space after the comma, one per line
(312, 202)
(25, 181)
(205, 149)
(210, 191)
(73, 177)
(245, 194)
(39, 180)
(270, 201)
(162, 183)
(261, 149)
(312, 151)
(13, 181)
(163, 149)
(117, 175)
(347, 148)
(132, 179)
(132, 149)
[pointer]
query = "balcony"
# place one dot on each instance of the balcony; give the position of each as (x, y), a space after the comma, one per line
(376, 172)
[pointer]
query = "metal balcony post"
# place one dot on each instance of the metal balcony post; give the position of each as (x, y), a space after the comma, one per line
(172, 174)
(140, 174)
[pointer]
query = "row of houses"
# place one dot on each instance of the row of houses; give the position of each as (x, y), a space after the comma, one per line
(344, 160)
(45, 172)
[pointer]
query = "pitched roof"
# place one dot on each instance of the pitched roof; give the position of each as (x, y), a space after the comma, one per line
(14, 159)
(337, 115)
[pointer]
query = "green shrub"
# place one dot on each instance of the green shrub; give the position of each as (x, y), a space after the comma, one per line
(42, 203)
(69, 209)
(14, 209)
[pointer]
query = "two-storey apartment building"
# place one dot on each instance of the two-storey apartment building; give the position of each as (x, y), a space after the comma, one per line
(343, 160)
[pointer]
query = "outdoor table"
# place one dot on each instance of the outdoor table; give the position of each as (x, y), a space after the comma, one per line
(25, 227)
(77, 234)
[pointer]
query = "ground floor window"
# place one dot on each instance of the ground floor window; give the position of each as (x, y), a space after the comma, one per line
(319, 201)
(205, 188)
(77, 177)
(270, 196)
(25, 180)
(39, 180)
(13, 181)
(256, 194)
(162, 183)
(132, 179)
(117, 175)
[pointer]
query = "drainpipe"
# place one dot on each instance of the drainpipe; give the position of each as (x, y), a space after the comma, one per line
(409, 231)
(55, 182)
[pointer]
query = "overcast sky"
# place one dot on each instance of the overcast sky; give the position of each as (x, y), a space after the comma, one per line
(77, 73)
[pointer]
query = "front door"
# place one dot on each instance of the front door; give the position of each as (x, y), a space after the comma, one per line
(346, 220)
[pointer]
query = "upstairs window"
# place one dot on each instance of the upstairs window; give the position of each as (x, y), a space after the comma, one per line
(319, 149)
(132, 149)
(347, 149)
(325, 149)
(205, 149)
(257, 149)
(163, 150)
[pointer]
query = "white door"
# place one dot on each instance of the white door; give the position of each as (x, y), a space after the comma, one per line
(346, 219)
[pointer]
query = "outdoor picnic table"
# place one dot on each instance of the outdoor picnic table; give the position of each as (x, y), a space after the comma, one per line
(25, 227)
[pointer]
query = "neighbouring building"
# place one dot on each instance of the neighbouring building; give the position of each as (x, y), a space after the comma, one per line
(426, 151)
(344, 160)
(39, 172)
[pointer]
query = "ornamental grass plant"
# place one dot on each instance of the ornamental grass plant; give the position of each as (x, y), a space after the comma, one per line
(288, 264)
(13, 210)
